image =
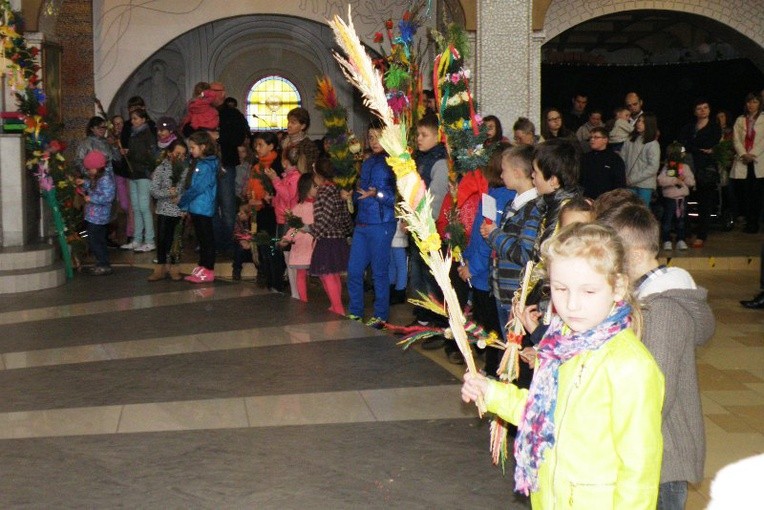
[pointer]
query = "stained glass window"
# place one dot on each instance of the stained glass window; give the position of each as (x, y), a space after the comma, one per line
(269, 101)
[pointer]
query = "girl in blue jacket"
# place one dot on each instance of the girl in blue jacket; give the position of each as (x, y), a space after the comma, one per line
(373, 235)
(99, 191)
(200, 199)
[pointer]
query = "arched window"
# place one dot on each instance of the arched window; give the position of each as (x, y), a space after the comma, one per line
(268, 102)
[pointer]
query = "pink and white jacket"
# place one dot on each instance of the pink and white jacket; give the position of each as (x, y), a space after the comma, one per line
(286, 193)
(679, 186)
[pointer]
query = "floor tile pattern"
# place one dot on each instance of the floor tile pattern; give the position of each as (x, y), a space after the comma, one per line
(119, 393)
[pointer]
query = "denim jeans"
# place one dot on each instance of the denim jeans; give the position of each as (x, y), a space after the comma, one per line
(97, 243)
(669, 217)
(399, 268)
(672, 495)
(646, 194)
(140, 193)
(226, 213)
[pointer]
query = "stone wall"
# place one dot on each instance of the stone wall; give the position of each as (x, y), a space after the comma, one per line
(74, 32)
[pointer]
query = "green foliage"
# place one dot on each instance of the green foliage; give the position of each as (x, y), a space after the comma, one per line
(724, 153)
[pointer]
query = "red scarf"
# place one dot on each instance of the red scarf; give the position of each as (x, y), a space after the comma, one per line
(265, 162)
(750, 132)
(257, 187)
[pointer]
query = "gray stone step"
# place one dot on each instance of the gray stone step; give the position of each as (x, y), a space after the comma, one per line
(27, 280)
(30, 256)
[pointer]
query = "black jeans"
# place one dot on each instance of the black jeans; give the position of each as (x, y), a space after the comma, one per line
(753, 191)
(97, 235)
(706, 196)
(206, 238)
(165, 235)
(240, 256)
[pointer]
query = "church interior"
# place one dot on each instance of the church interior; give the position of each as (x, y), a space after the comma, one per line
(118, 393)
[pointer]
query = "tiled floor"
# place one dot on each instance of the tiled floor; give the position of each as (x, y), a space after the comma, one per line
(121, 393)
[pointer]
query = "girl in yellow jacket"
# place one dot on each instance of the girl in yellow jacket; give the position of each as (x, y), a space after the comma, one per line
(589, 427)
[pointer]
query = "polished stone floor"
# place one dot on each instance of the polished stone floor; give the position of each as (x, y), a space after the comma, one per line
(118, 393)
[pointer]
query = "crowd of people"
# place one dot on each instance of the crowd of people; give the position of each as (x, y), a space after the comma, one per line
(580, 200)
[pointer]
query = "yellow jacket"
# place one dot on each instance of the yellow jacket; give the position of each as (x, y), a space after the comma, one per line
(607, 424)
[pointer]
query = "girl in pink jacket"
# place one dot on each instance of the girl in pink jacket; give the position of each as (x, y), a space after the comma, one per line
(300, 239)
(285, 199)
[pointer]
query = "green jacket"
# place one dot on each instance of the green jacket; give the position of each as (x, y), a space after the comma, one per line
(608, 448)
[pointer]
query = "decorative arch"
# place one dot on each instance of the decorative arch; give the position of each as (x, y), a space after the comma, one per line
(128, 33)
(238, 51)
(745, 17)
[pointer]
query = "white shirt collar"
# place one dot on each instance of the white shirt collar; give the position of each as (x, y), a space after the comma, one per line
(523, 198)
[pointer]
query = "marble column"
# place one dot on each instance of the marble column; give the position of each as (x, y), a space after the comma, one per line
(19, 201)
(508, 62)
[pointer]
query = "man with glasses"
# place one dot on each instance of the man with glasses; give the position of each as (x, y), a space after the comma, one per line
(601, 169)
(634, 104)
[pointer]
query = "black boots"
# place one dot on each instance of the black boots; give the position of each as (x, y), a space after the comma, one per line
(397, 296)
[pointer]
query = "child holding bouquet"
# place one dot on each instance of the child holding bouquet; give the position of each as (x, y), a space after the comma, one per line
(299, 236)
(589, 427)
(260, 194)
(285, 199)
(166, 188)
(244, 248)
(331, 226)
(675, 179)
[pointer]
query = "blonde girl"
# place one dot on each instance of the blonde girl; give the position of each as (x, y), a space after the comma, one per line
(589, 427)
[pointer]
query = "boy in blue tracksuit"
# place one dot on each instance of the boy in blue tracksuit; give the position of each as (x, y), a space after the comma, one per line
(375, 226)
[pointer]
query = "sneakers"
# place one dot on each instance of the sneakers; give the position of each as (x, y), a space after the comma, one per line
(681, 245)
(145, 248)
(130, 246)
(101, 270)
(668, 246)
(354, 317)
(201, 275)
(376, 323)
